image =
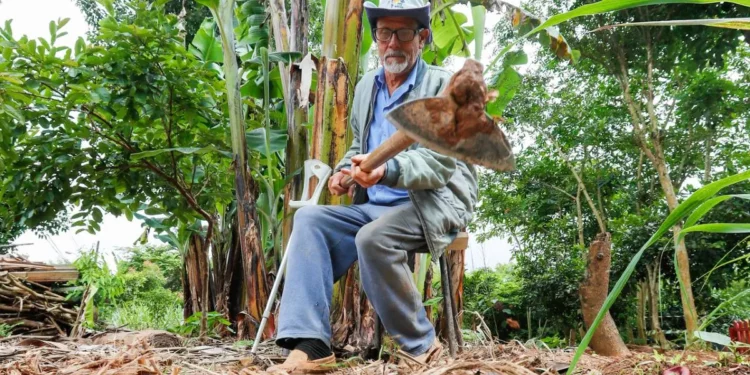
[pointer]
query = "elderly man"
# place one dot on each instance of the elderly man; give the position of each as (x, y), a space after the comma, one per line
(417, 200)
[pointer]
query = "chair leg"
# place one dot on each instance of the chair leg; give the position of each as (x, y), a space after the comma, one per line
(448, 306)
(456, 322)
(377, 340)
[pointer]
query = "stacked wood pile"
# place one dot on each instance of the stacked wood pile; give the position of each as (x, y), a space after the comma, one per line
(28, 302)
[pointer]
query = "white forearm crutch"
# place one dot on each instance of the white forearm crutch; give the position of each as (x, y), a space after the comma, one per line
(322, 171)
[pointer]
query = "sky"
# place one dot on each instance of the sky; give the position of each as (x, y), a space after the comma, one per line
(32, 17)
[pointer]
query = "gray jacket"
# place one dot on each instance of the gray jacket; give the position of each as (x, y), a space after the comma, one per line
(442, 188)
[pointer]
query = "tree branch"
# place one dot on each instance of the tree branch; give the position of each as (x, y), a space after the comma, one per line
(579, 217)
(169, 131)
(633, 108)
(650, 82)
(681, 174)
(181, 188)
(560, 190)
(599, 220)
(124, 143)
(638, 183)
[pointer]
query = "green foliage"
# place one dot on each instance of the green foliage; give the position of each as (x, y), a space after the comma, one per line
(554, 342)
(682, 211)
(94, 271)
(166, 258)
(484, 287)
(243, 344)
(6, 329)
(97, 286)
(137, 315)
(115, 128)
(137, 294)
(450, 37)
(93, 13)
(496, 295)
(733, 303)
(191, 326)
(572, 117)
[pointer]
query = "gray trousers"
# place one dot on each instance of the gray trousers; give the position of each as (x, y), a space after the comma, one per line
(326, 241)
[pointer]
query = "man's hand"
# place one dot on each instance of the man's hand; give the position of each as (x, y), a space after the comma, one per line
(334, 185)
(364, 179)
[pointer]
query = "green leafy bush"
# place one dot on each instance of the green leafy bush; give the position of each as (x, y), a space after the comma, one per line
(554, 342)
(136, 296)
(166, 258)
(192, 325)
(496, 295)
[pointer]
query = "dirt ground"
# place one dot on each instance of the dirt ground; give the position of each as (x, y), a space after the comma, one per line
(47, 355)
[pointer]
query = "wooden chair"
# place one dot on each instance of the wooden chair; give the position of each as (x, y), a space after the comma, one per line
(460, 243)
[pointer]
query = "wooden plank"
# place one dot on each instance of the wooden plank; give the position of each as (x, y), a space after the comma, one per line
(47, 276)
(460, 243)
(23, 266)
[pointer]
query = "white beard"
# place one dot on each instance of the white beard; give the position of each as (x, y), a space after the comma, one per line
(395, 67)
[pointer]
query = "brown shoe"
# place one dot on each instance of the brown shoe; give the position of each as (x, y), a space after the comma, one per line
(298, 363)
(431, 355)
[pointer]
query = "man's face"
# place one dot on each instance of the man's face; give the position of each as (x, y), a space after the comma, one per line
(398, 56)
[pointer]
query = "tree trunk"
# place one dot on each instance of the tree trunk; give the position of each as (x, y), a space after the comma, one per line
(707, 159)
(428, 293)
(455, 264)
(579, 217)
(196, 267)
(629, 338)
(296, 147)
(653, 291)
(606, 340)
(337, 74)
(253, 260)
(640, 320)
(683, 272)
(343, 318)
(188, 307)
(328, 145)
(683, 263)
(248, 231)
(456, 260)
(655, 154)
(226, 255)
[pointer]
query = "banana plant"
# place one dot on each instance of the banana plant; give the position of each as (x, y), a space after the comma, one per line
(273, 141)
(253, 256)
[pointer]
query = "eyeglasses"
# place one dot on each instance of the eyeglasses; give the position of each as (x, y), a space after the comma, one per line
(404, 35)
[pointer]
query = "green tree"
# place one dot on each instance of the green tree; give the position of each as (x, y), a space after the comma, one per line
(576, 112)
(640, 60)
(495, 294)
(193, 15)
(130, 125)
(130, 129)
(166, 258)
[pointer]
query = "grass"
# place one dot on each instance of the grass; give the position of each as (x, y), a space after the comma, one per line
(137, 315)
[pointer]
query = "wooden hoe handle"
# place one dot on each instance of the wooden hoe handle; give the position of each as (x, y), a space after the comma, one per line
(396, 143)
